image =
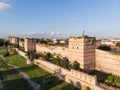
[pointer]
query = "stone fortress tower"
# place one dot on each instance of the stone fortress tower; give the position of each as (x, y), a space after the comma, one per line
(82, 50)
(13, 40)
(29, 44)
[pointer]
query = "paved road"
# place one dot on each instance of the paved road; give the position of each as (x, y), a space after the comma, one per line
(25, 76)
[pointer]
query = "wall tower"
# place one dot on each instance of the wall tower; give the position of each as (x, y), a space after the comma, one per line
(82, 50)
(29, 44)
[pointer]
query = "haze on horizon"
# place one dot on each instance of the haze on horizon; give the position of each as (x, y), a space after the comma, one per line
(100, 18)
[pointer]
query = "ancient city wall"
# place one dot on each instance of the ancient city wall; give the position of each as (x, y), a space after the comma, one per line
(107, 62)
(52, 49)
(76, 78)
(21, 53)
(104, 61)
(21, 44)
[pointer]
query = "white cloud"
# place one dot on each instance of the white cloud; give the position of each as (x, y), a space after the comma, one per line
(55, 33)
(52, 33)
(4, 6)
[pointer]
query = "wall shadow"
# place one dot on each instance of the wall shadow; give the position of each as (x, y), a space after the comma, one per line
(71, 87)
(24, 69)
(16, 84)
(48, 81)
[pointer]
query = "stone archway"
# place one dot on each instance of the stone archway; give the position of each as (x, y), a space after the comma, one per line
(78, 85)
(71, 82)
(88, 88)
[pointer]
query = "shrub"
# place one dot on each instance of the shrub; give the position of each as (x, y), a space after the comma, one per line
(30, 55)
(104, 47)
(48, 56)
(76, 65)
(6, 54)
(36, 56)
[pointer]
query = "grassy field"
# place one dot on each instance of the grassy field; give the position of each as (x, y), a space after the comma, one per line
(45, 79)
(12, 80)
(3, 50)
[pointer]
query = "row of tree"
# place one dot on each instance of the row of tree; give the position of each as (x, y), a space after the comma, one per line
(3, 42)
(107, 47)
(60, 61)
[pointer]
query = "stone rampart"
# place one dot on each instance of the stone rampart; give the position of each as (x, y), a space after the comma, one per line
(107, 62)
(76, 78)
(63, 51)
(21, 53)
(104, 61)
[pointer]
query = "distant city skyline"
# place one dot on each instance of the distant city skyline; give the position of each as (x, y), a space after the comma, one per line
(52, 18)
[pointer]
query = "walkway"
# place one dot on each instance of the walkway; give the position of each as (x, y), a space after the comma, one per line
(1, 85)
(25, 76)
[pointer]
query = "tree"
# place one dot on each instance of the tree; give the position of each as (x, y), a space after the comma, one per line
(76, 65)
(6, 54)
(6, 43)
(65, 63)
(22, 39)
(42, 41)
(48, 56)
(104, 47)
(30, 55)
(1, 42)
(15, 52)
(94, 39)
(36, 55)
(117, 44)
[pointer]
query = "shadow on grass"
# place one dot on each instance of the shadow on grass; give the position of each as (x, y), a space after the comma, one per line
(24, 69)
(12, 80)
(70, 87)
(16, 84)
(47, 81)
(50, 82)
(27, 68)
(101, 76)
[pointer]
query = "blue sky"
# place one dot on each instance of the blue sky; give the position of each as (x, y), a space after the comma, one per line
(100, 18)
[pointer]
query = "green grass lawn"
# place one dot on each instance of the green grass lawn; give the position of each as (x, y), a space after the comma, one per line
(45, 79)
(3, 50)
(17, 60)
(12, 80)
